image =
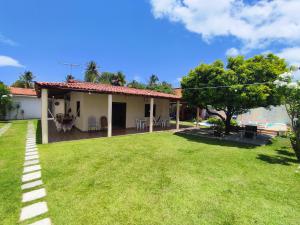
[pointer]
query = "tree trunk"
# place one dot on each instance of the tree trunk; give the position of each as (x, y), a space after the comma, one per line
(296, 146)
(227, 124)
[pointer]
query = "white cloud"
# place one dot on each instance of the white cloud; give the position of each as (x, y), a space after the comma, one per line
(292, 55)
(232, 52)
(8, 61)
(256, 25)
(179, 79)
(7, 41)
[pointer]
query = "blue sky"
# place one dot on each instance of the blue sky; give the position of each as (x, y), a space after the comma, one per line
(140, 38)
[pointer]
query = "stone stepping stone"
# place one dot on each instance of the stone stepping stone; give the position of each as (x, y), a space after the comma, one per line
(31, 153)
(31, 176)
(45, 221)
(31, 168)
(33, 195)
(31, 146)
(31, 157)
(31, 184)
(33, 210)
(31, 149)
(31, 162)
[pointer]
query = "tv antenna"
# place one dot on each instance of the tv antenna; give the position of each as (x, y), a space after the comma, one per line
(71, 65)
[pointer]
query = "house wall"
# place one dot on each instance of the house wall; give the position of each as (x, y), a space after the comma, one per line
(276, 114)
(60, 108)
(31, 106)
(96, 105)
(77, 96)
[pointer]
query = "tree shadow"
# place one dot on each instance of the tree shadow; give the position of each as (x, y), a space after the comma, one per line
(38, 132)
(285, 153)
(213, 141)
(277, 159)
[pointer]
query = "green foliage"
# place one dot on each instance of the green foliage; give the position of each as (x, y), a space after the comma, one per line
(69, 77)
(116, 79)
(153, 80)
(136, 84)
(290, 92)
(153, 84)
(91, 73)
(106, 78)
(227, 88)
(25, 80)
(5, 100)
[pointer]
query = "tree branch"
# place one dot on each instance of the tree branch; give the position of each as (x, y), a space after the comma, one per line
(214, 113)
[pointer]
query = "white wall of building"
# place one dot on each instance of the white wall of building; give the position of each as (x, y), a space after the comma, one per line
(96, 105)
(29, 104)
(262, 115)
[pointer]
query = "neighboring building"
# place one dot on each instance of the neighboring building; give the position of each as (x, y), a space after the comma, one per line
(186, 112)
(121, 106)
(262, 115)
(26, 104)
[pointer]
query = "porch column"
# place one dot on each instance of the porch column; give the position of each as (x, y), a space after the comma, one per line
(197, 117)
(44, 116)
(151, 115)
(109, 115)
(177, 114)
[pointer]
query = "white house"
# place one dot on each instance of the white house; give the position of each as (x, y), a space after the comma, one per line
(26, 104)
(83, 102)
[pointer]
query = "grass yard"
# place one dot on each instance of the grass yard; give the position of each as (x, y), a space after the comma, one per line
(12, 148)
(161, 178)
(2, 123)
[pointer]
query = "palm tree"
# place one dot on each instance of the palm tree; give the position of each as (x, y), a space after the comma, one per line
(91, 73)
(153, 80)
(119, 79)
(69, 77)
(27, 79)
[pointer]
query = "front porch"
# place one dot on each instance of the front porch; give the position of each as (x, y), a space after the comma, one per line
(76, 134)
(71, 110)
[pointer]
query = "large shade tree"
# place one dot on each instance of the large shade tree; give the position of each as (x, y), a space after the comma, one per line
(5, 100)
(290, 92)
(235, 88)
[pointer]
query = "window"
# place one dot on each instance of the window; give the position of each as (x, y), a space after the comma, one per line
(147, 110)
(78, 108)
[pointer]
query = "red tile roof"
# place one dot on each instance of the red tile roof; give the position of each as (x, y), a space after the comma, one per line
(102, 88)
(22, 91)
(178, 92)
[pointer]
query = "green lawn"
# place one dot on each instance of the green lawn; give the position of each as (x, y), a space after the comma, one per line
(2, 123)
(161, 178)
(12, 148)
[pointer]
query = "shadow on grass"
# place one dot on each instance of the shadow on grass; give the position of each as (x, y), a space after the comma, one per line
(277, 159)
(38, 132)
(211, 141)
(285, 153)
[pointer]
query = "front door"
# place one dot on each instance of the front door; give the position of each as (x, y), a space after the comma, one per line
(118, 115)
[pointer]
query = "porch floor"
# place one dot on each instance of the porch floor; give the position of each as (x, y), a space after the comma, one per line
(75, 134)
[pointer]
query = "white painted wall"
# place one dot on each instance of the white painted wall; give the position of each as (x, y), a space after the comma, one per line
(60, 108)
(96, 105)
(30, 105)
(276, 114)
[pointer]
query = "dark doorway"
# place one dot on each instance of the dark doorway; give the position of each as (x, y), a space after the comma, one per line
(118, 115)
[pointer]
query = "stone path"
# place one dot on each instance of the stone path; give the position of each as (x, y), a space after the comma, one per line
(4, 128)
(32, 184)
